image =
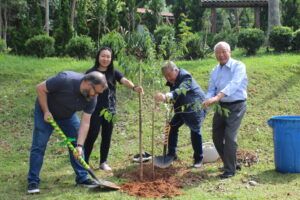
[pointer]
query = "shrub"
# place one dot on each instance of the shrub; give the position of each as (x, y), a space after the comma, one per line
(80, 47)
(194, 47)
(280, 38)
(165, 41)
(2, 45)
(229, 37)
(115, 41)
(40, 46)
(251, 39)
(163, 31)
(167, 48)
(296, 40)
(209, 39)
(140, 45)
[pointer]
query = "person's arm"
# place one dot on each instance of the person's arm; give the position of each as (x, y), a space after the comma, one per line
(211, 90)
(130, 85)
(42, 91)
(83, 131)
(184, 87)
(211, 96)
(213, 100)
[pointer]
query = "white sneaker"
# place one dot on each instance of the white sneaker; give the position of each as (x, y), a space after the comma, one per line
(104, 166)
(198, 164)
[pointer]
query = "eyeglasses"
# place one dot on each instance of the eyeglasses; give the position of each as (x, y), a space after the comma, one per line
(95, 91)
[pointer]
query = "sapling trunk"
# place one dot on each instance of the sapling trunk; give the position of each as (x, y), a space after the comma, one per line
(140, 125)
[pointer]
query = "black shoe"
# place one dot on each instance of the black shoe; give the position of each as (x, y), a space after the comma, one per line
(33, 188)
(175, 157)
(89, 183)
(226, 175)
(145, 157)
(238, 167)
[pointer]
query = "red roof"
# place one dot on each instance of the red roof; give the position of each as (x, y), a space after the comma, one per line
(233, 3)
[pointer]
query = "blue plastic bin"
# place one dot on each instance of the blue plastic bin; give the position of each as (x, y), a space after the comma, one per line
(286, 136)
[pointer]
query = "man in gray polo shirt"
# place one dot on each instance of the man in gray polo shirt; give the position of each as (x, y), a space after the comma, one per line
(59, 97)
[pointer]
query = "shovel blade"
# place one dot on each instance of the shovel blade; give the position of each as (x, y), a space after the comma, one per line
(107, 185)
(103, 183)
(163, 161)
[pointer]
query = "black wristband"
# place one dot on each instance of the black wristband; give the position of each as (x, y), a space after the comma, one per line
(134, 87)
(79, 145)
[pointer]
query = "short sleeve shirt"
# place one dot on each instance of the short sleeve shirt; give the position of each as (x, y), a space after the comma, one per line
(64, 96)
(108, 98)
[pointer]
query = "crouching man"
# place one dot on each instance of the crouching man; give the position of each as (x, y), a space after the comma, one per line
(186, 94)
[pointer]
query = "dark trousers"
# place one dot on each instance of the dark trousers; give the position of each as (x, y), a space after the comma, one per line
(40, 137)
(194, 121)
(106, 132)
(225, 130)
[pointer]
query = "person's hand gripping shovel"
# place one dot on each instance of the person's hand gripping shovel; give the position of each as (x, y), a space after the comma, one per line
(101, 183)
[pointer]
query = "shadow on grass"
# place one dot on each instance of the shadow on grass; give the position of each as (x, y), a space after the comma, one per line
(274, 177)
(283, 88)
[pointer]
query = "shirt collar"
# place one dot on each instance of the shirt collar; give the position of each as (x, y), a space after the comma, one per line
(228, 64)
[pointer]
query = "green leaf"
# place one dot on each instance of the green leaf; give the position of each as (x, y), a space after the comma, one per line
(106, 114)
(184, 91)
(103, 111)
(109, 117)
(178, 91)
(114, 119)
(225, 112)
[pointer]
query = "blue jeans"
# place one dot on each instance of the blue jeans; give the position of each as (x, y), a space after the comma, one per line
(194, 120)
(40, 138)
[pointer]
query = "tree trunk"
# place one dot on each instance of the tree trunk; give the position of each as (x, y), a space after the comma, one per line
(5, 23)
(47, 16)
(237, 17)
(273, 15)
(257, 17)
(73, 14)
(213, 19)
(1, 19)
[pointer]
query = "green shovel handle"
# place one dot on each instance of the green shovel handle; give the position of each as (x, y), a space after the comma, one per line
(58, 130)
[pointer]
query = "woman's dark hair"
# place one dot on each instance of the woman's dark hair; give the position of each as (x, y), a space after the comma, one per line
(110, 68)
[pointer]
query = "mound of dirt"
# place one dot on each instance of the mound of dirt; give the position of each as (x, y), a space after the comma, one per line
(169, 182)
(164, 183)
(247, 158)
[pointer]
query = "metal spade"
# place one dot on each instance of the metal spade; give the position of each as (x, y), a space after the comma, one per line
(164, 161)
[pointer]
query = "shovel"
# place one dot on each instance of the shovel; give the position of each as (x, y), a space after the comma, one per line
(164, 161)
(100, 182)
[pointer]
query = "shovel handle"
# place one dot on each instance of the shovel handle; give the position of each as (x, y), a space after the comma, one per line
(58, 130)
(167, 129)
(167, 132)
(80, 158)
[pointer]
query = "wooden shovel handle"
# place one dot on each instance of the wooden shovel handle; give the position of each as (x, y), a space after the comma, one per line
(167, 132)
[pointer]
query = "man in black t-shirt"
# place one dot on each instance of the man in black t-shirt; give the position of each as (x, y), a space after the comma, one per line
(59, 98)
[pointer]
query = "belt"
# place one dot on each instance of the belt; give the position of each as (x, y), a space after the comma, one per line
(231, 103)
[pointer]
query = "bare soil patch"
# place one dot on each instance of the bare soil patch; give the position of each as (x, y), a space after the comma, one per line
(167, 183)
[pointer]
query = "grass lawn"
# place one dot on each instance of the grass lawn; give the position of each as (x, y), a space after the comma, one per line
(274, 89)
